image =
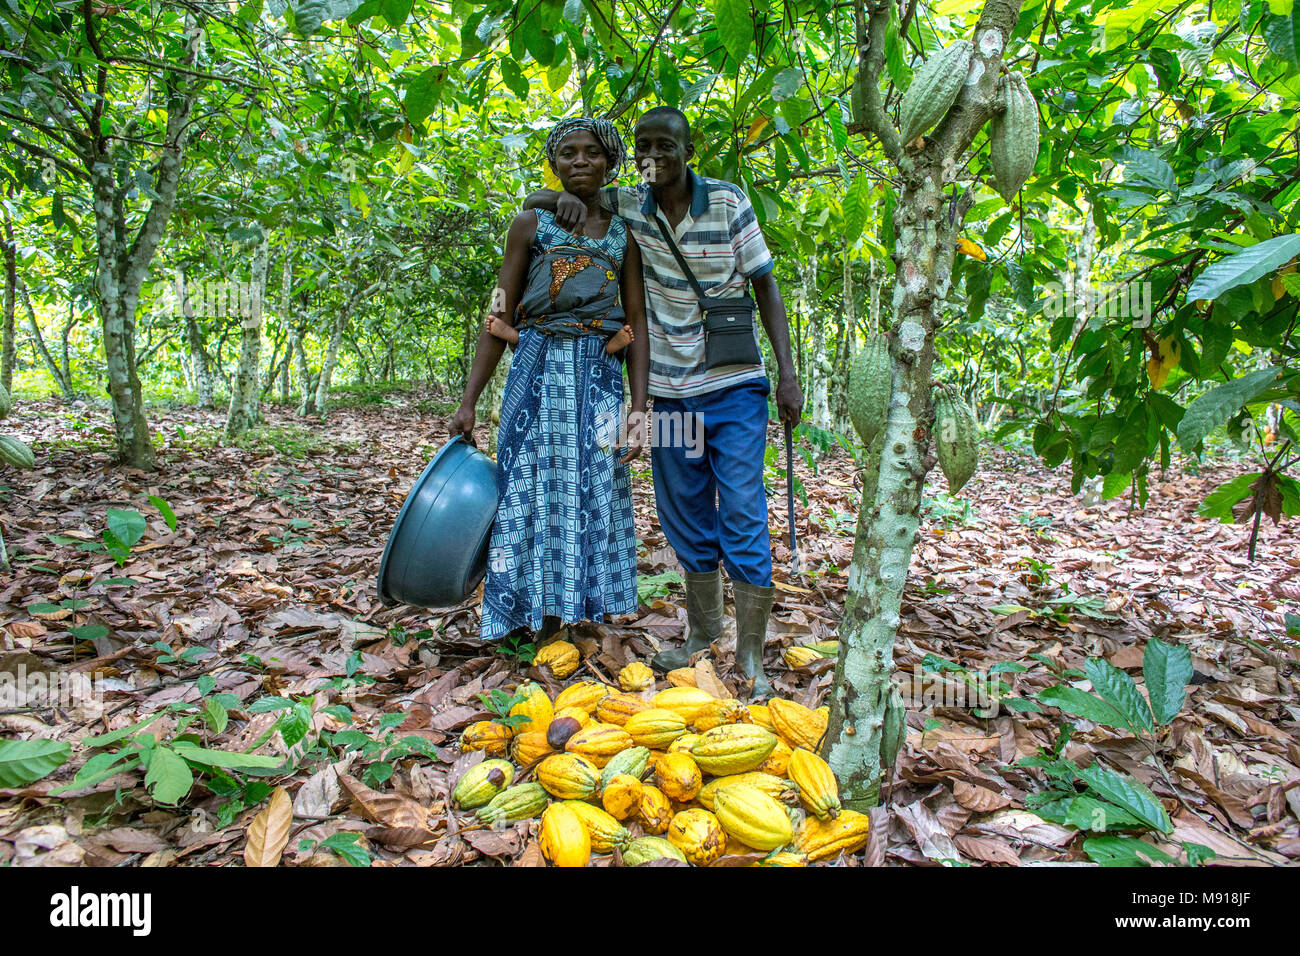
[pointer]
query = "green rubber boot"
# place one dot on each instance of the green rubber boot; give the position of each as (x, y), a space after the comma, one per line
(753, 608)
(703, 619)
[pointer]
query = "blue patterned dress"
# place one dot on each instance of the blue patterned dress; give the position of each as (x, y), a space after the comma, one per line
(563, 544)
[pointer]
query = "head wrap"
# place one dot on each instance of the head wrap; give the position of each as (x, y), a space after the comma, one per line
(605, 133)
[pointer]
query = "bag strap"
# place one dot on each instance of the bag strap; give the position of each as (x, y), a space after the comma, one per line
(681, 261)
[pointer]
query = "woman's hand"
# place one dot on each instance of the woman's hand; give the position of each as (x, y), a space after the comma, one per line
(462, 423)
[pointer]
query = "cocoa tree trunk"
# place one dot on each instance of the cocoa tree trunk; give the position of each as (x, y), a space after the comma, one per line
(245, 391)
(8, 351)
(926, 226)
(121, 265)
(336, 339)
(60, 375)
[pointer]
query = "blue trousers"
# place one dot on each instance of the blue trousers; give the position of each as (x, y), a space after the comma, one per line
(712, 506)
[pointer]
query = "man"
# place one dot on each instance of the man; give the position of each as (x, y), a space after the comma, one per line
(712, 507)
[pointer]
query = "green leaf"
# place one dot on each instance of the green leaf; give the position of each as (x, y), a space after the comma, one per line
(226, 759)
(1115, 484)
(1167, 669)
(1128, 793)
(128, 526)
(1198, 853)
(735, 26)
(100, 767)
(1216, 406)
(346, 846)
(1219, 502)
(1119, 690)
(1080, 703)
(169, 777)
(1123, 851)
(103, 740)
(514, 78)
(26, 761)
(396, 11)
(165, 510)
(216, 716)
(856, 198)
(1246, 266)
(89, 632)
(422, 95)
(1283, 37)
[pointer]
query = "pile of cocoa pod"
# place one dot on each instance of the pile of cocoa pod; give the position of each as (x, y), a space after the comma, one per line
(674, 774)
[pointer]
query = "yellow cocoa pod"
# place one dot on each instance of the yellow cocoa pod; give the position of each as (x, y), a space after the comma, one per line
(718, 712)
(656, 728)
(778, 761)
(796, 724)
(784, 858)
(585, 694)
(682, 677)
(654, 812)
(827, 839)
(687, 701)
(774, 787)
(817, 788)
(565, 841)
(568, 776)
(652, 759)
(683, 744)
(636, 677)
(525, 748)
(758, 715)
(736, 848)
(617, 708)
(733, 748)
(698, 835)
(678, 776)
(647, 848)
(621, 797)
(560, 657)
(599, 742)
(577, 713)
(488, 736)
(605, 832)
(801, 656)
(481, 782)
(752, 817)
(534, 706)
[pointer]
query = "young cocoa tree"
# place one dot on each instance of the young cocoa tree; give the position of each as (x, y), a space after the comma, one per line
(953, 95)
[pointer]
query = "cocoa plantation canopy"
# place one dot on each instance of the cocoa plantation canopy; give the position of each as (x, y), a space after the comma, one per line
(1033, 283)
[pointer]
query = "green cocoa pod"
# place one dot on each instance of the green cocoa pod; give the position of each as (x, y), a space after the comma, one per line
(934, 89)
(5, 404)
(13, 452)
(893, 730)
(631, 761)
(519, 802)
(482, 782)
(870, 387)
(956, 439)
(1013, 138)
(647, 848)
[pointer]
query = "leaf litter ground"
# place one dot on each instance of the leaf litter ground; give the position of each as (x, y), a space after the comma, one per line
(266, 589)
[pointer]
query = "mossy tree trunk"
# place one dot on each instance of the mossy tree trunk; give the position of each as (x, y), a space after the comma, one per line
(927, 223)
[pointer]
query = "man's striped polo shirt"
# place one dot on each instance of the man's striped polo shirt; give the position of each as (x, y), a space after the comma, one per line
(721, 240)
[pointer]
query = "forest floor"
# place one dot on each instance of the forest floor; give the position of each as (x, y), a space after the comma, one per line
(264, 590)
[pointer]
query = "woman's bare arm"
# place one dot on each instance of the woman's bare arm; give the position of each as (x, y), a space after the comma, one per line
(505, 298)
(638, 353)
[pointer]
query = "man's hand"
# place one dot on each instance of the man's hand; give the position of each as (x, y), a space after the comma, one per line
(638, 424)
(462, 423)
(571, 213)
(789, 399)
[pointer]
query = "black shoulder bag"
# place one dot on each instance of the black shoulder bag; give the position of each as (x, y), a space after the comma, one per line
(728, 322)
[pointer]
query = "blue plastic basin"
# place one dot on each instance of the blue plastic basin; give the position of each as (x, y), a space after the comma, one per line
(436, 554)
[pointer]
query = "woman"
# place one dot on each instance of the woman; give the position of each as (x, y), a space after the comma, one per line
(563, 548)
